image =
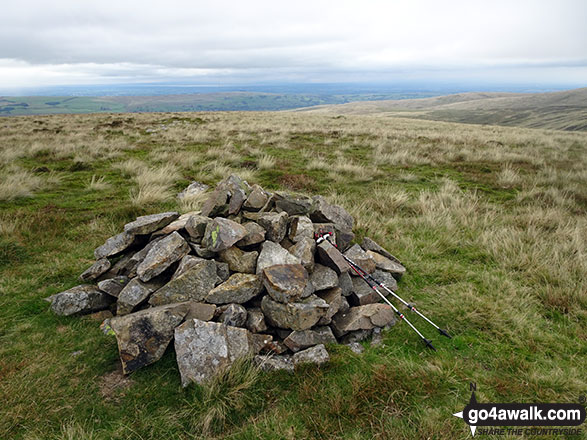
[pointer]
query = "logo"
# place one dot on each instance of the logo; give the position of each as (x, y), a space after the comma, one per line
(514, 415)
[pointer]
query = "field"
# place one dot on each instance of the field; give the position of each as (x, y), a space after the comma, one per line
(490, 222)
(566, 110)
(217, 101)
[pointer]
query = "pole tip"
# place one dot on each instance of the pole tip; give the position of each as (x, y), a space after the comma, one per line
(429, 344)
(444, 333)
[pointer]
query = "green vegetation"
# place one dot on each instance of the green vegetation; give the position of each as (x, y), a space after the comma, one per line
(490, 222)
(228, 101)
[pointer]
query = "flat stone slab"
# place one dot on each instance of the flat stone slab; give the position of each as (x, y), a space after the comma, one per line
(205, 349)
(274, 362)
(285, 282)
(313, 355)
(362, 318)
(143, 336)
(147, 224)
(239, 288)
(297, 315)
(387, 265)
(135, 293)
(272, 254)
(221, 233)
(192, 285)
(115, 245)
(80, 299)
(163, 254)
(300, 340)
(100, 267)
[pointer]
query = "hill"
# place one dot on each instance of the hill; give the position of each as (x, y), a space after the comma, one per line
(216, 101)
(489, 221)
(565, 110)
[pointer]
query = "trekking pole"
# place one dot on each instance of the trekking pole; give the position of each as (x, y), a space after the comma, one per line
(395, 295)
(374, 287)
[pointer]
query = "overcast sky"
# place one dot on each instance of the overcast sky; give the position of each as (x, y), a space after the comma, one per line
(224, 41)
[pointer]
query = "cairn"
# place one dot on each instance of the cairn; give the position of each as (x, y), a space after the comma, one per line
(242, 277)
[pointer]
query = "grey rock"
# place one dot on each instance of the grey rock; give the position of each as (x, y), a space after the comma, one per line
(272, 254)
(370, 245)
(333, 298)
(80, 299)
(362, 293)
(329, 256)
(344, 305)
(113, 286)
(135, 293)
(202, 251)
(239, 260)
(275, 225)
(304, 249)
(300, 227)
(387, 265)
(192, 190)
(324, 212)
(296, 316)
(143, 336)
(114, 245)
(362, 318)
(294, 205)
(130, 268)
(234, 315)
(147, 224)
(239, 288)
(175, 225)
(256, 199)
(186, 263)
(222, 233)
(217, 203)
(356, 347)
(255, 235)
(377, 338)
(360, 258)
(285, 282)
(192, 285)
(222, 272)
(355, 336)
(162, 255)
(323, 277)
(313, 355)
(95, 270)
(201, 311)
(196, 227)
(344, 237)
(273, 362)
(205, 349)
(345, 282)
(386, 279)
(299, 340)
(256, 321)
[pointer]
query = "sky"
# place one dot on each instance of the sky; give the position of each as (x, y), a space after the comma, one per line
(72, 42)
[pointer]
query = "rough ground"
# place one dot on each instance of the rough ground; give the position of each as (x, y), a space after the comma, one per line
(491, 222)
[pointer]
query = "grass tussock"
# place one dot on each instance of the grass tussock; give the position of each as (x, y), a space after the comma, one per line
(17, 183)
(214, 403)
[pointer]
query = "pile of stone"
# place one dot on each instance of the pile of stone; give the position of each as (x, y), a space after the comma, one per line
(242, 277)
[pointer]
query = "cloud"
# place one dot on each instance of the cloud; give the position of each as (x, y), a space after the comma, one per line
(75, 42)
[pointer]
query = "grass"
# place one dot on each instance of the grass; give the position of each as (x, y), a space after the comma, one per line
(489, 221)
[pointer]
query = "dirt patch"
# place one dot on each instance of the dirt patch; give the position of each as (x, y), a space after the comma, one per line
(114, 384)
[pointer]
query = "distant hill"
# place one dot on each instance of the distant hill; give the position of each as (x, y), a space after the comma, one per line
(565, 110)
(217, 101)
